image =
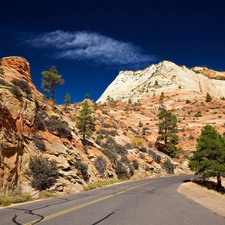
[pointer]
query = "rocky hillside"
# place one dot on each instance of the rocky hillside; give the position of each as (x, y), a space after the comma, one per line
(30, 126)
(164, 77)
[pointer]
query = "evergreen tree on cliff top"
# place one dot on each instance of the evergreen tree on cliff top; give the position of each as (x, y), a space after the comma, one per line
(50, 79)
(209, 158)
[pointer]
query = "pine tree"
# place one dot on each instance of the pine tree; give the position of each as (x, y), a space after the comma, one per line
(167, 131)
(85, 122)
(161, 101)
(86, 96)
(208, 97)
(50, 79)
(209, 158)
(67, 101)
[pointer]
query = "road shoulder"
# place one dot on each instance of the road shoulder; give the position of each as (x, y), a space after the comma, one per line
(207, 198)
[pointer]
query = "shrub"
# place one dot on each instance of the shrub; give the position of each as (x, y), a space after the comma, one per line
(208, 98)
(7, 200)
(39, 122)
(113, 133)
(23, 85)
(43, 172)
(99, 138)
(198, 114)
(121, 171)
(111, 144)
(38, 142)
(169, 167)
(135, 164)
(131, 170)
(188, 101)
(140, 124)
(191, 137)
(15, 90)
(1, 71)
(138, 142)
(54, 124)
(155, 156)
(100, 165)
(124, 159)
(3, 82)
(111, 154)
(82, 168)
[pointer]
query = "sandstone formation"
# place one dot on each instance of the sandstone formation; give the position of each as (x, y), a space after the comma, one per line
(162, 77)
(22, 114)
(19, 68)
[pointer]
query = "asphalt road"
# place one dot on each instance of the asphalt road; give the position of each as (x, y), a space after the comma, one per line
(150, 201)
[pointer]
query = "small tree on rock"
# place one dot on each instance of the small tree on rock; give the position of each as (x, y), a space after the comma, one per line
(67, 101)
(85, 122)
(50, 79)
(208, 97)
(209, 157)
(161, 101)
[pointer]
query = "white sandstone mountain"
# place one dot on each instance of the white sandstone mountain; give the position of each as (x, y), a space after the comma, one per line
(162, 77)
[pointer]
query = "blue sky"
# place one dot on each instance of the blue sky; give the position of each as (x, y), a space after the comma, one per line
(89, 42)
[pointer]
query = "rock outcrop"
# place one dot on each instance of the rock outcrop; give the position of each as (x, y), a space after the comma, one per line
(165, 76)
(23, 124)
(19, 68)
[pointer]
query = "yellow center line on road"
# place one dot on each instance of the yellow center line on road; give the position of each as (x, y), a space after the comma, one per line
(81, 206)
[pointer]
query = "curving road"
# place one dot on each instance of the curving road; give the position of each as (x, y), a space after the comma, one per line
(150, 201)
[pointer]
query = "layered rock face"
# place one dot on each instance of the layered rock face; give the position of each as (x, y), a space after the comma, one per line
(19, 68)
(165, 76)
(18, 113)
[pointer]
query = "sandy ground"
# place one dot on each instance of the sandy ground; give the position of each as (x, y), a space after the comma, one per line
(208, 198)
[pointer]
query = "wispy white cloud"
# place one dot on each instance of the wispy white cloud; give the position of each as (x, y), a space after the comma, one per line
(84, 45)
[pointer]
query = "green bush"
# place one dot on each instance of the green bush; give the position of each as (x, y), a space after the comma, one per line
(54, 124)
(39, 122)
(208, 97)
(140, 124)
(121, 171)
(4, 83)
(100, 165)
(111, 154)
(23, 85)
(15, 90)
(43, 172)
(1, 71)
(169, 167)
(135, 164)
(198, 114)
(131, 169)
(124, 159)
(8, 200)
(82, 168)
(38, 142)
